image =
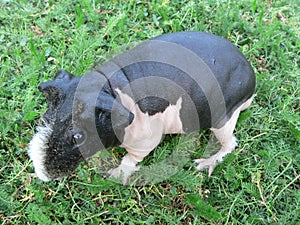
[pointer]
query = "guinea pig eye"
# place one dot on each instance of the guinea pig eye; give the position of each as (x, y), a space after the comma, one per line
(79, 138)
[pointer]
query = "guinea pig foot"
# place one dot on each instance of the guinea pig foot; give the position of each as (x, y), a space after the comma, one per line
(33, 175)
(123, 172)
(205, 164)
(210, 163)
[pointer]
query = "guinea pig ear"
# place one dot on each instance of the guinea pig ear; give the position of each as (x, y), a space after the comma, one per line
(63, 75)
(120, 116)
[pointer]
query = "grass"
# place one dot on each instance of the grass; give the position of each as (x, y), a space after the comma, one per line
(257, 184)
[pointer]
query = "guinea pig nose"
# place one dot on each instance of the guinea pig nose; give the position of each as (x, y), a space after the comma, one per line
(45, 86)
(41, 87)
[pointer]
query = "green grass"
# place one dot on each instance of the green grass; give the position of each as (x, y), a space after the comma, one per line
(257, 184)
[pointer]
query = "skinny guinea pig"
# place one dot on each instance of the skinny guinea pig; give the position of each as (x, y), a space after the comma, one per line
(174, 83)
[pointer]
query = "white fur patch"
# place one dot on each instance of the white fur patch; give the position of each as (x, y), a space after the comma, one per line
(37, 150)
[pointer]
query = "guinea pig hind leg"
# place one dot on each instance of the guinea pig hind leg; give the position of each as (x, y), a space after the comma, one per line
(227, 140)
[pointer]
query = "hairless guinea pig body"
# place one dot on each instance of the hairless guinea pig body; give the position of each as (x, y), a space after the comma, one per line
(174, 83)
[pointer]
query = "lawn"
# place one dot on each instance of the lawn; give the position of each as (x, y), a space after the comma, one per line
(257, 184)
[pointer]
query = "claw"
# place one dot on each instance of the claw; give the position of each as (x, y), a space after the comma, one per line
(211, 169)
(206, 164)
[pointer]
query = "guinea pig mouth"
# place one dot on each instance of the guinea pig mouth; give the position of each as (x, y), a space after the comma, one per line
(37, 150)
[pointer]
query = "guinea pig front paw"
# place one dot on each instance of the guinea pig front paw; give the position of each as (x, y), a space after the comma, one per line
(123, 172)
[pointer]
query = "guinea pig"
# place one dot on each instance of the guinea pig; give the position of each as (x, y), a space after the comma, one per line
(175, 83)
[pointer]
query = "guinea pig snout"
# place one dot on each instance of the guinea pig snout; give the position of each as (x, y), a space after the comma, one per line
(41, 87)
(46, 86)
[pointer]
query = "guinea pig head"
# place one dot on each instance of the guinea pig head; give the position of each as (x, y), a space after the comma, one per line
(52, 148)
(77, 124)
